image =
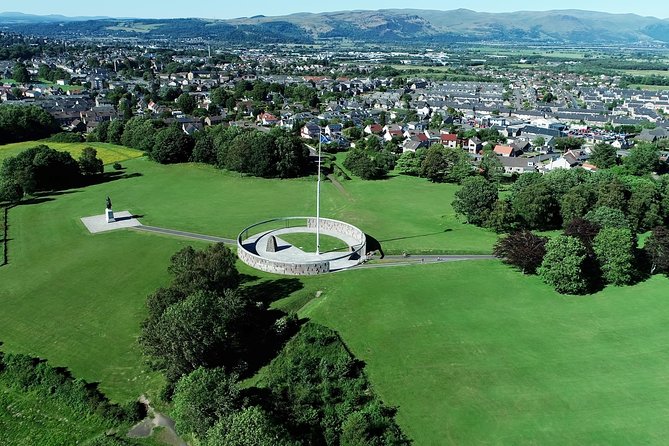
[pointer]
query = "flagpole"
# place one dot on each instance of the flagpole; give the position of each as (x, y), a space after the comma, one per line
(318, 195)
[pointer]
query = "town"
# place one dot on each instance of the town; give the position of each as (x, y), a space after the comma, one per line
(369, 227)
(329, 94)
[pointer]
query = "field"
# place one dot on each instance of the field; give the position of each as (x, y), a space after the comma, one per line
(471, 352)
(476, 353)
(108, 153)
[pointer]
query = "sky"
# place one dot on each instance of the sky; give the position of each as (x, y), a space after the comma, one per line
(225, 9)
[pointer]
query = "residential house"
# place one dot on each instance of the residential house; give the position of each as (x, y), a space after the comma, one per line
(506, 151)
(373, 129)
(474, 145)
(449, 140)
(310, 131)
(519, 165)
(267, 119)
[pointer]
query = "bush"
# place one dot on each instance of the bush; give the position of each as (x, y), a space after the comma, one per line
(522, 249)
(117, 166)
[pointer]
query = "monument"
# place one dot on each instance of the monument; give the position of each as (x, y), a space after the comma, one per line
(109, 214)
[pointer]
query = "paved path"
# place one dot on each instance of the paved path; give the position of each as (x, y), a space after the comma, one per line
(184, 234)
(374, 262)
(400, 260)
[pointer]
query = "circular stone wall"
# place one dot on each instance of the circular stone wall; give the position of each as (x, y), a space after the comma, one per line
(264, 249)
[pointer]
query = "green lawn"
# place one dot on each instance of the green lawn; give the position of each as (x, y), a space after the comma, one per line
(403, 213)
(475, 353)
(77, 299)
(108, 153)
(471, 352)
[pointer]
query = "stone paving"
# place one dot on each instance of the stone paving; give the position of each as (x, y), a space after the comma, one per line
(98, 223)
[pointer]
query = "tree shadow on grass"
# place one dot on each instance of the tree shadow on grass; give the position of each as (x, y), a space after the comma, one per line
(269, 329)
(270, 291)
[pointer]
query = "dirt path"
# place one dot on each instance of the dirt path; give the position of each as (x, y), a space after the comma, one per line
(338, 185)
(144, 428)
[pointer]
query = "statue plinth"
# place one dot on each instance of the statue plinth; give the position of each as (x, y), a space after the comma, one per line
(109, 215)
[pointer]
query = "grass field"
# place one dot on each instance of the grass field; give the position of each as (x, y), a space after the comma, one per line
(77, 299)
(475, 353)
(646, 72)
(108, 153)
(471, 352)
(44, 82)
(650, 87)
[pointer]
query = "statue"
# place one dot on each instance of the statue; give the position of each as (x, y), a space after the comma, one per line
(109, 214)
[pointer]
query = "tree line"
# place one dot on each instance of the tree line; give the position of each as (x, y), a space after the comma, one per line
(601, 214)
(274, 154)
(207, 332)
(25, 123)
(42, 168)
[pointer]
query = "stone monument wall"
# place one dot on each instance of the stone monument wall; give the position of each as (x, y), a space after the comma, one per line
(278, 267)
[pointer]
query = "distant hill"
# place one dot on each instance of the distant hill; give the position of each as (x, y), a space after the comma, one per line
(388, 25)
(19, 17)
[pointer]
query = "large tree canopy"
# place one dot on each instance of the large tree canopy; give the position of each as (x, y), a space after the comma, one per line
(25, 123)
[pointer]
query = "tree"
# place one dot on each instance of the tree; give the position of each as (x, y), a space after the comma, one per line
(657, 250)
(367, 165)
(522, 249)
(643, 159)
(211, 269)
(205, 329)
(25, 123)
(115, 131)
(491, 167)
(644, 208)
(475, 199)
(10, 190)
(172, 146)
(577, 202)
(20, 73)
(250, 426)
(502, 218)
(204, 150)
(604, 155)
(569, 143)
(202, 398)
(41, 168)
(614, 248)
(186, 103)
(409, 162)
(89, 163)
(611, 192)
(536, 206)
(562, 266)
(435, 165)
(583, 230)
(607, 217)
(539, 141)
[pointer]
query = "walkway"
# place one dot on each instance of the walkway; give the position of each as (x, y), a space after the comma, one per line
(184, 234)
(387, 261)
